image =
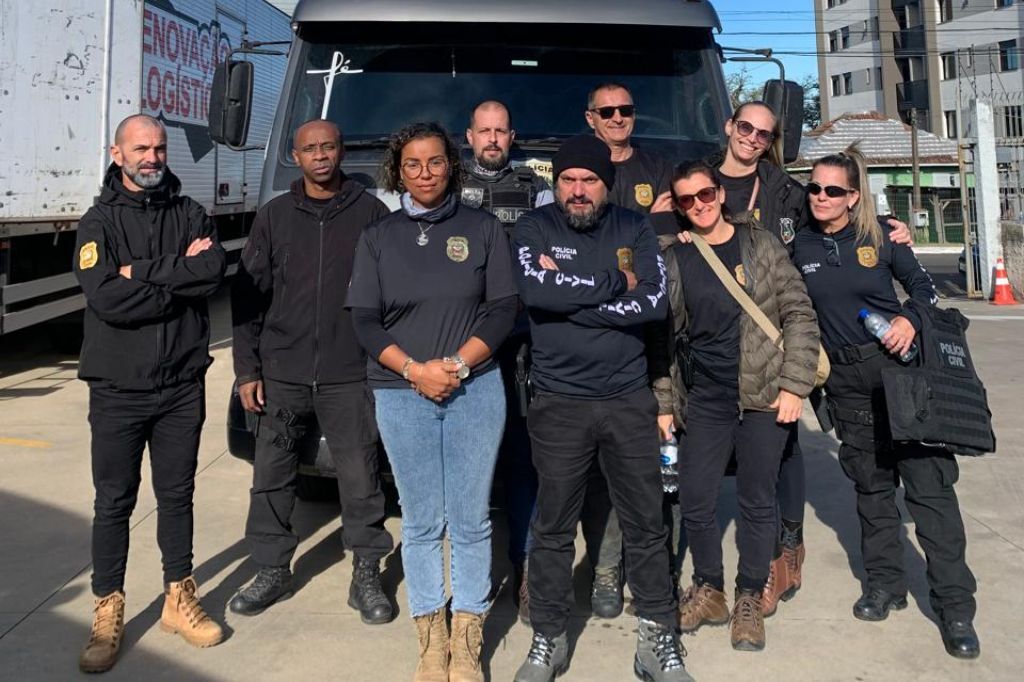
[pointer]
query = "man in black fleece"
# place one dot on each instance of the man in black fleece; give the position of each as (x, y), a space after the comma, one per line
(147, 258)
(297, 358)
(590, 275)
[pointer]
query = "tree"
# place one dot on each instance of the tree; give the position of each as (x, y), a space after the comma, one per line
(742, 87)
(812, 102)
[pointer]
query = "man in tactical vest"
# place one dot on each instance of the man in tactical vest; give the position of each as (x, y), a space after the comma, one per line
(490, 182)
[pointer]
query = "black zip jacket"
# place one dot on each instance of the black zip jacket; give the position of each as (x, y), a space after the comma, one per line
(587, 330)
(782, 200)
(151, 330)
(287, 300)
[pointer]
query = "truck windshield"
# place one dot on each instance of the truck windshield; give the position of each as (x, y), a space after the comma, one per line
(542, 72)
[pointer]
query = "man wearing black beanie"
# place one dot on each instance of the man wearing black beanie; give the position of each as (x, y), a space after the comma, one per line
(590, 276)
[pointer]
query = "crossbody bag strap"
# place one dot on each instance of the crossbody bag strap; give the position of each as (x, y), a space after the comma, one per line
(734, 288)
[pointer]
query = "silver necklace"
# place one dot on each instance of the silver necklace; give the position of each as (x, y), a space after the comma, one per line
(423, 239)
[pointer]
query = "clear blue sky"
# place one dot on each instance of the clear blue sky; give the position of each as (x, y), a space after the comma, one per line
(786, 26)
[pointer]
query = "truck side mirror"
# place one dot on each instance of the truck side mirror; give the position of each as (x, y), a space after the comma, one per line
(787, 99)
(231, 103)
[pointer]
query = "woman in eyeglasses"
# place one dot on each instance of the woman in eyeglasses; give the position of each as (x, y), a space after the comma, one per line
(732, 389)
(432, 296)
(849, 262)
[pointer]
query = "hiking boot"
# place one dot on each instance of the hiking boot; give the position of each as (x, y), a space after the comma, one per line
(778, 586)
(366, 595)
(432, 633)
(100, 654)
(960, 639)
(466, 641)
(271, 584)
(522, 595)
(184, 615)
(747, 627)
(547, 659)
(659, 655)
(606, 596)
(874, 605)
(702, 605)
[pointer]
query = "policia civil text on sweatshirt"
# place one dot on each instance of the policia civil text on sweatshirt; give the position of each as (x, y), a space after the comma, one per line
(288, 297)
(150, 330)
(587, 330)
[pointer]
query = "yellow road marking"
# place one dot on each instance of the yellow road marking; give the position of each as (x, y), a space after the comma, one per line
(26, 443)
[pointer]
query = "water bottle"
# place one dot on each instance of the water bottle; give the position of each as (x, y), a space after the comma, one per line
(669, 465)
(878, 326)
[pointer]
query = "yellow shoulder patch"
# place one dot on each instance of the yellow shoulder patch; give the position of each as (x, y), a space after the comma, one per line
(741, 275)
(644, 194)
(867, 256)
(88, 256)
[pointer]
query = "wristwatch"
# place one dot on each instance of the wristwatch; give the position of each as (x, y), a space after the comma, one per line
(462, 372)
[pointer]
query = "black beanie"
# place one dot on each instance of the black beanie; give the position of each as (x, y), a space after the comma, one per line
(585, 151)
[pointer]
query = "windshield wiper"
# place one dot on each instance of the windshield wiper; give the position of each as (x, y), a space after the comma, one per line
(372, 143)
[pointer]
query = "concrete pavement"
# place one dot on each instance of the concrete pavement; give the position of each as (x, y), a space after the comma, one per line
(45, 602)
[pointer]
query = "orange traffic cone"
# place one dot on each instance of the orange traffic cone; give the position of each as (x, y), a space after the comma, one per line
(1003, 294)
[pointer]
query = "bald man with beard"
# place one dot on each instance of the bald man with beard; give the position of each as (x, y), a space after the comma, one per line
(297, 360)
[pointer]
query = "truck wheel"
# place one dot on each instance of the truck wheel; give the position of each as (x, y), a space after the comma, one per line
(316, 488)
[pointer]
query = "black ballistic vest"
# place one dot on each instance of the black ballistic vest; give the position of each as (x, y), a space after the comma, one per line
(940, 401)
(508, 196)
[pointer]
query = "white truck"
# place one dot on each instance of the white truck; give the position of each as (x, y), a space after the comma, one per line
(69, 72)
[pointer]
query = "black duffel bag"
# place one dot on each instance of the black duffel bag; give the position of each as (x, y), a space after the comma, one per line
(939, 400)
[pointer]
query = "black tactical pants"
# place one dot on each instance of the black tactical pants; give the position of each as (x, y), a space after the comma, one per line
(168, 420)
(876, 468)
(621, 434)
(346, 418)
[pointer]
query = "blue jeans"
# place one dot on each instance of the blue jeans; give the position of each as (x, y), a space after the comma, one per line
(443, 459)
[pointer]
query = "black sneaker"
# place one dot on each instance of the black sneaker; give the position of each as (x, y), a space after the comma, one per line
(548, 658)
(366, 595)
(960, 639)
(272, 584)
(875, 604)
(659, 654)
(606, 595)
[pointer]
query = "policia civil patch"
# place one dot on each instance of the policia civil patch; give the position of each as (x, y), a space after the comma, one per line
(88, 256)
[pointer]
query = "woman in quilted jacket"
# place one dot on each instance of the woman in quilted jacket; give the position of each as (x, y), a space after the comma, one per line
(733, 389)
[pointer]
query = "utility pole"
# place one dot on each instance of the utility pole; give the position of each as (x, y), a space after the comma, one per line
(916, 161)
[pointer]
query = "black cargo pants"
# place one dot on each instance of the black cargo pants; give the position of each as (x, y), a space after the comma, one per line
(169, 420)
(345, 414)
(877, 467)
(568, 434)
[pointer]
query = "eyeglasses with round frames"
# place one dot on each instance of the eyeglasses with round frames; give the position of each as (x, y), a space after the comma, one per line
(831, 191)
(706, 196)
(625, 110)
(413, 168)
(746, 128)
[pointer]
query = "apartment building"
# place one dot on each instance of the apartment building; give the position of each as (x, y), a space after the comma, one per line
(899, 56)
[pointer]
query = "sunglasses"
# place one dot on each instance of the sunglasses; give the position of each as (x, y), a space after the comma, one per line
(831, 191)
(706, 196)
(831, 251)
(626, 110)
(745, 128)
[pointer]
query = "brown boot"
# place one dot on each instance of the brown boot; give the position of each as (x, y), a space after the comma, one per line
(747, 628)
(432, 632)
(184, 615)
(777, 585)
(467, 640)
(795, 564)
(100, 654)
(702, 605)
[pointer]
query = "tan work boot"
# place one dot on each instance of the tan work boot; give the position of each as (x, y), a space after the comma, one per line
(777, 585)
(100, 654)
(184, 615)
(702, 605)
(432, 632)
(467, 640)
(747, 628)
(795, 563)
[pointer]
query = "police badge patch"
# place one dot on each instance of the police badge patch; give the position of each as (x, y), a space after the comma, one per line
(786, 230)
(741, 275)
(458, 249)
(644, 194)
(867, 256)
(473, 196)
(88, 256)
(625, 257)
